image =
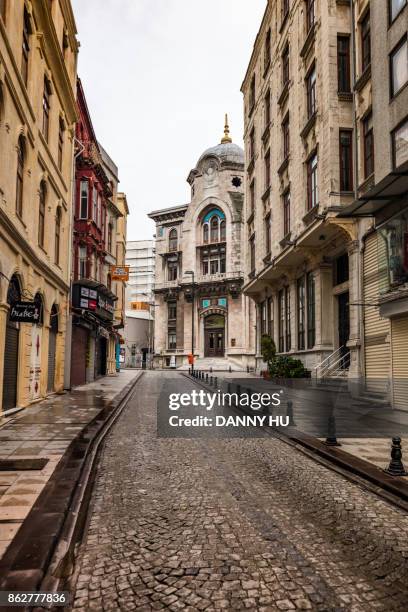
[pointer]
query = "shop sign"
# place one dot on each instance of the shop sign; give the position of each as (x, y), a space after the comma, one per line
(120, 273)
(25, 312)
(105, 304)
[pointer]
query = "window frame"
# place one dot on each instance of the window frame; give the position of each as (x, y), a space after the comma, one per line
(368, 142)
(82, 199)
(312, 181)
(61, 142)
(21, 159)
(301, 312)
(267, 103)
(403, 42)
(267, 49)
(57, 238)
(41, 213)
(268, 229)
(311, 80)
(392, 17)
(343, 64)
(252, 254)
(46, 109)
(25, 47)
(402, 124)
(286, 137)
(350, 174)
(285, 66)
(172, 270)
(310, 14)
(286, 212)
(173, 240)
(267, 169)
(365, 37)
(311, 309)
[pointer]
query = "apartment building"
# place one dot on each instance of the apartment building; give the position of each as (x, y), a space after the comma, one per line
(303, 260)
(381, 101)
(38, 57)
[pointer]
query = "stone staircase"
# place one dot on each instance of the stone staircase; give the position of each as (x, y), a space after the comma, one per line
(216, 364)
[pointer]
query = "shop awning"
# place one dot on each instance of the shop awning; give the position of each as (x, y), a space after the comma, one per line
(387, 191)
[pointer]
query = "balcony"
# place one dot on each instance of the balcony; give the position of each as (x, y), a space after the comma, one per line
(173, 284)
(219, 277)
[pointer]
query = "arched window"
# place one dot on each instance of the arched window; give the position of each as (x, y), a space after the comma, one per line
(57, 235)
(41, 213)
(222, 230)
(214, 228)
(173, 240)
(205, 233)
(20, 175)
(54, 319)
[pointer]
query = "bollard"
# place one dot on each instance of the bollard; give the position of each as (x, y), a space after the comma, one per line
(229, 387)
(396, 467)
(247, 369)
(289, 414)
(215, 381)
(211, 380)
(189, 371)
(331, 439)
(211, 369)
(229, 369)
(206, 377)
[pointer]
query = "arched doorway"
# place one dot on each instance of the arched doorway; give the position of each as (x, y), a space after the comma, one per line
(10, 370)
(52, 346)
(214, 335)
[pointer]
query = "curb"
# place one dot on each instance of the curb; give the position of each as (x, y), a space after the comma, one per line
(392, 488)
(42, 551)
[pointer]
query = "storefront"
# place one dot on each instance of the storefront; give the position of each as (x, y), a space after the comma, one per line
(385, 287)
(93, 312)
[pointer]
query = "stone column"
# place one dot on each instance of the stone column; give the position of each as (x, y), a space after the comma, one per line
(324, 307)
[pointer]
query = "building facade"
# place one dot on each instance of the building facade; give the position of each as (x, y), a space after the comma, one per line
(139, 330)
(93, 252)
(38, 57)
(303, 262)
(200, 308)
(382, 125)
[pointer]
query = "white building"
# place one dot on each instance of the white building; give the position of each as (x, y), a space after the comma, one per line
(139, 328)
(200, 307)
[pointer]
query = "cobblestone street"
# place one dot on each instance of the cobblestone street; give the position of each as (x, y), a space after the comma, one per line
(231, 524)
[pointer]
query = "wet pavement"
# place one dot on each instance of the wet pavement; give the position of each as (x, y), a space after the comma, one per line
(44, 431)
(233, 524)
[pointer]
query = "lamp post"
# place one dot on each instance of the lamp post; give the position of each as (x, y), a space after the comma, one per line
(191, 273)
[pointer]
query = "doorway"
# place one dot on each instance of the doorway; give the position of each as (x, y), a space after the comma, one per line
(11, 346)
(344, 327)
(214, 336)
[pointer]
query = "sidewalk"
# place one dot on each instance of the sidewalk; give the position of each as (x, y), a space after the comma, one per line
(34, 440)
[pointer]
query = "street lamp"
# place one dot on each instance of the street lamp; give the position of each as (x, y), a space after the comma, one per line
(191, 273)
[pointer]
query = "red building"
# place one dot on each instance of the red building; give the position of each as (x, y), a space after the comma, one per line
(92, 299)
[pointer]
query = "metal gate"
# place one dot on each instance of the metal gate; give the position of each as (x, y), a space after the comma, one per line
(78, 355)
(10, 375)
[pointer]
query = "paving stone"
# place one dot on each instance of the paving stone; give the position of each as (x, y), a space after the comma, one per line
(232, 524)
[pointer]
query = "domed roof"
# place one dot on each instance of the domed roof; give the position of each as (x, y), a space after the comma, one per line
(227, 151)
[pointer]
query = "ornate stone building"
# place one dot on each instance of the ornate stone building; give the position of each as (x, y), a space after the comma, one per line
(302, 168)
(38, 57)
(199, 274)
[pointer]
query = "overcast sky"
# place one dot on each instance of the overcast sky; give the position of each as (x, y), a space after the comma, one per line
(158, 77)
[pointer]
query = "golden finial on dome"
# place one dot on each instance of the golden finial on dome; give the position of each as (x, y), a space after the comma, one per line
(226, 138)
